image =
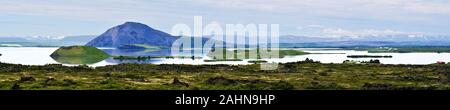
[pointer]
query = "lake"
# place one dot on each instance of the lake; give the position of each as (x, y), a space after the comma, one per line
(41, 56)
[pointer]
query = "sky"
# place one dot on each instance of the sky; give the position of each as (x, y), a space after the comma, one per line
(319, 18)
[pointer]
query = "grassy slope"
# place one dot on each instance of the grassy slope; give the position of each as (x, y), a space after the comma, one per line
(79, 55)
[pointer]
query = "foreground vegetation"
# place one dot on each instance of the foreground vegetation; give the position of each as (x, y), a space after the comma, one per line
(291, 76)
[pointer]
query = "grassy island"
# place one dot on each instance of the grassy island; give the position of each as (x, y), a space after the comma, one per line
(79, 55)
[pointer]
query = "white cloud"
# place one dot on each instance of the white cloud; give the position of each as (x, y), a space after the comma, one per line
(338, 7)
(104, 10)
(315, 26)
(394, 14)
(300, 28)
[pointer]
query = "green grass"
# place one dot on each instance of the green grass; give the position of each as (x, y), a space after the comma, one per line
(289, 76)
(79, 55)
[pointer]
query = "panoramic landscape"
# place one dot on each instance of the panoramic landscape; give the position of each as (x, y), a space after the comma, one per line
(397, 49)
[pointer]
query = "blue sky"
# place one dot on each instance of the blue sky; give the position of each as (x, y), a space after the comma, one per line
(322, 18)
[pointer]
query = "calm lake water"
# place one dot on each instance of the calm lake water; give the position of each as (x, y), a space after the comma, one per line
(41, 56)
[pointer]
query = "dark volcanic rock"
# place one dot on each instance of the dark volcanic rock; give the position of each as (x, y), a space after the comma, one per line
(26, 78)
(221, 81)
(176, 81)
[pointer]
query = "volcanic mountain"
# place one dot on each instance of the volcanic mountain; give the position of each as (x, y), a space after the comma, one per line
(133, 33)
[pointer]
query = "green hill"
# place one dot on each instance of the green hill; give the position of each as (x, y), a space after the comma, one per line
(79, 55)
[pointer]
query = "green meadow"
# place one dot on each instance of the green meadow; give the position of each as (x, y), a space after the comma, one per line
(79, 55)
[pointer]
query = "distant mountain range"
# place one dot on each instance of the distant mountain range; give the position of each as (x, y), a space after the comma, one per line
(388, 38)
(391, 41)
